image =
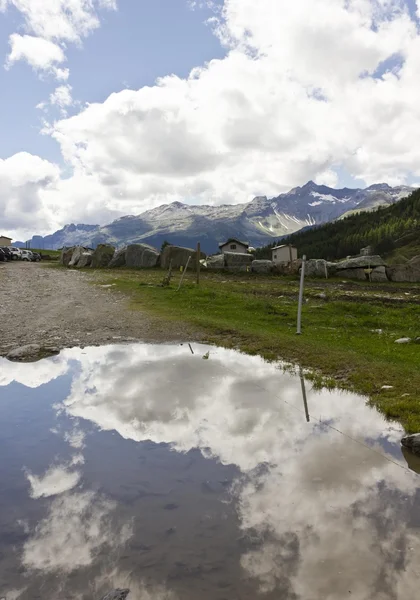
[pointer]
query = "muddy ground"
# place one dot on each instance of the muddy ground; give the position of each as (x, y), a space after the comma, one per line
(61, 308)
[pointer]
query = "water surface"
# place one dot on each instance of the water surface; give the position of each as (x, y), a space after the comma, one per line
(186, 478)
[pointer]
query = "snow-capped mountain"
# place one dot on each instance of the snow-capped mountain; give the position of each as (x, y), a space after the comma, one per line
(260, 221)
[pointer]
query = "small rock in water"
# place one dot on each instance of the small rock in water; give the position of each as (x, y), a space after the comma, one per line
(412, 442)
(31, 353)
(117, 594)
(405, 340)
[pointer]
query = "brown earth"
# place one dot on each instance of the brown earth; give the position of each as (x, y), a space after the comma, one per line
(50, 306)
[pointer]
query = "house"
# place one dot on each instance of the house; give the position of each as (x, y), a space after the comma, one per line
(5, 241)
(234, 245)
(283, 254)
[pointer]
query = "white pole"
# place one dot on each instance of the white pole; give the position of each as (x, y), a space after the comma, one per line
(302, 283)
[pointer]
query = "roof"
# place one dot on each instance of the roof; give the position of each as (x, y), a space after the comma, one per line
(233, 240)
(6, 237)
(283, 246)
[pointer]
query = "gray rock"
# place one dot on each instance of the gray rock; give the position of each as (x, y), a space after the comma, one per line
(412, 442)
(215, 262)
(119, 258)
(262, 266)
(354, 274)
(66, 255)
(102, 256)
(117, 594)
(415, 260)
(378, 274)
(404, 340)
(141, 256)
(85, 260)
(179, 257)
(404, 273)
(238, 261)
(316, 267)
(77, 253)
(366, 251)
(31, 353)
(361, 262)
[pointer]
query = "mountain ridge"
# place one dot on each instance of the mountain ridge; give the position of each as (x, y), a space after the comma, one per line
(258, 221)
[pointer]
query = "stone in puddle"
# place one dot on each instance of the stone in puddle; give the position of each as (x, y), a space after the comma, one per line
(31, 353)
(412, 442)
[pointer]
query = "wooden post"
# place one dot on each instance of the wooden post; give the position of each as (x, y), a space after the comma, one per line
(198, 262)
(183, 274)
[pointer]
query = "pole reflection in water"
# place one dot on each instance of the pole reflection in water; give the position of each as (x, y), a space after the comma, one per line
(305, 401)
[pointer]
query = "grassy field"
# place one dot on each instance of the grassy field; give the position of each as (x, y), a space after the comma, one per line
(53, 253)
(348, 336)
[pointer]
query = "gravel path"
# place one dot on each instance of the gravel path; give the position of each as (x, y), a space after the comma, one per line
(59, 307)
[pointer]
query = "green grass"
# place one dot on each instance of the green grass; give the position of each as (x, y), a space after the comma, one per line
(340, 340)
(52, 253)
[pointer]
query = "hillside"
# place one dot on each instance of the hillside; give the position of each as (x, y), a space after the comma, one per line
(259, 222)
(393, 231)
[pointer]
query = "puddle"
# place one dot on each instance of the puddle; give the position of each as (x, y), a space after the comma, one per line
(148, 467)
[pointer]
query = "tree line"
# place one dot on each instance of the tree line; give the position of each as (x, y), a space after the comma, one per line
(385, 229)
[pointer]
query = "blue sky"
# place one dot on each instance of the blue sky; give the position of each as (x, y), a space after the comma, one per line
(113, 107)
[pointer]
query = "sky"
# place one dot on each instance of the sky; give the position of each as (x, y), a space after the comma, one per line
(113, 107)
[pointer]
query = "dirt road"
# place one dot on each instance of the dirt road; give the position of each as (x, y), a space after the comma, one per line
(59, 307)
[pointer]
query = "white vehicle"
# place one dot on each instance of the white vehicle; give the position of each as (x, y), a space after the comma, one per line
(26, 255)
(16, 253)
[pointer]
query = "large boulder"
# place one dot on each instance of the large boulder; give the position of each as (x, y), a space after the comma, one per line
(85, 260)
(119, 258)
(102, 256)
(215, 262)
(66, 255)
(404, 273)
(318, 267)
(238, 261)
(141, 256)
(379, 275)
(368, 251)
(77, 253)
(353, 274)
(361, 262)
(262, 266)
(179, 257)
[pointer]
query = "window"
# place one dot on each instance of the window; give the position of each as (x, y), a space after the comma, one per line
(233, 246)
(275, 256)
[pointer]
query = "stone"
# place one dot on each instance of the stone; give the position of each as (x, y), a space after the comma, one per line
(102, 256)
(262, 266)
(412, 442)
(318, 267)
(141, 256)
(237, 261)
(404, 340)
(215, 262)
(179, 257)
(354, 274)
(361, 262)
(368, 251)
(85, 260)
(378, 274)
(77, 253)
(119, 258)
(117, 594)
(415, 260)
(404, 273)
(66, 255)
(31, 353)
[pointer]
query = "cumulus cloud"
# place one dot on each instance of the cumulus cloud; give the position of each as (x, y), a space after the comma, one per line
(304, 89)
(55, 481)
(52, 24)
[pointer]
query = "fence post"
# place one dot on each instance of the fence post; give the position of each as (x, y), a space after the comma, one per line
(183, 274)
(302, 283)
(198, 262)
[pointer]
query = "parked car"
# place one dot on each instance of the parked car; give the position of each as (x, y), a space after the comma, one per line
(16, 253)
(7, 252)
(26, 255)
(36, 257)
(2, 256)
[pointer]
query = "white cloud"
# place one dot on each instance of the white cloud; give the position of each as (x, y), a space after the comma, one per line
(52, 24)
(41, 55)
(55, 481)
(294, 99)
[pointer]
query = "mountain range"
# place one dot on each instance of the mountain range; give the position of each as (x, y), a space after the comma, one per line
(259, 222)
